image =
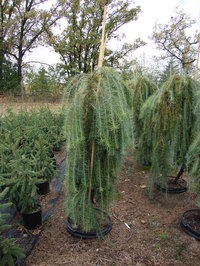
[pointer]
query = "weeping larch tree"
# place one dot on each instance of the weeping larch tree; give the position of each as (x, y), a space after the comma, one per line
(143, 88)
(97, 127)
(193, 156)
(194, 163)
(169, 120)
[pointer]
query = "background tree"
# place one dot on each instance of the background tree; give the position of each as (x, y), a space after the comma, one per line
(120, 59)
(31, 20)
(79, 43)
(43, 82)
(37, 82)
(9, 80)
(7, 13)
(170, 69)
(173, 39)
(22, 24)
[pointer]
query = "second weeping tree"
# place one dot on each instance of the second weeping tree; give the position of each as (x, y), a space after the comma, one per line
(169, 120)
(193, 156)
(143, 88)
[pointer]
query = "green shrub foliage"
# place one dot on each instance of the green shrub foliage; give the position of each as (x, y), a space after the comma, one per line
(143, 88)
(22, 183)
(193, 156)
(96, 116)
(169, 120)
(194, 164)
(9, 251)
(27, 140)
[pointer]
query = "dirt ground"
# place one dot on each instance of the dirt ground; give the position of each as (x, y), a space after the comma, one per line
(153, 235)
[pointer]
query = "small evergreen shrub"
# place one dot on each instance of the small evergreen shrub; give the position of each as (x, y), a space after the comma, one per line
(27, 140)
(9, 251)
(22, 183)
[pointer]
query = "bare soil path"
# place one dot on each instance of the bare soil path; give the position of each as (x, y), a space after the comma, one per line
(154, 236)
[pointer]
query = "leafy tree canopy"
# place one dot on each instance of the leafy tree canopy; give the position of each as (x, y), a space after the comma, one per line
(173, 39)
(79, 43)
(22, 24)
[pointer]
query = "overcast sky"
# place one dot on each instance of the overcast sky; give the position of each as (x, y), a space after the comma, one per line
(152, 11)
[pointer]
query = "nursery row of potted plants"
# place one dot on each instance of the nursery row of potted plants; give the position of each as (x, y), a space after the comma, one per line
(27, 163)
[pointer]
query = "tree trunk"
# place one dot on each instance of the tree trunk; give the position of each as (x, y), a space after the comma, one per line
(19, 72)
(1, 55)
(179, 174)
(19, 66)
(1, 65)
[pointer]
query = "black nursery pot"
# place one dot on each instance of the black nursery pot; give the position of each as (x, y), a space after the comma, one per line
(54, 160)
(190, 223)
(32, 220)
(43, 188)
(57, 148)
(89, 235)
(173, 187)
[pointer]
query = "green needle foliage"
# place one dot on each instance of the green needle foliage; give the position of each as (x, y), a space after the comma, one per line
(143, 88)
(9, 251)
(27, 140)
(41, 160)
(169, 119)
(97, 117)
(193, 158)
(22, 183)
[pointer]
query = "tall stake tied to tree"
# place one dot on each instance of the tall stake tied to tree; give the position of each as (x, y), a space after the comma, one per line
(97, 127)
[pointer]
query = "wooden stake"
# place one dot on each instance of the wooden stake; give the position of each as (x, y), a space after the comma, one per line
(197, 65)
(91, 63)
(102, 47)
(100, 64)
(133, 67)
(170, 70)
(91, 171)
(144, 62)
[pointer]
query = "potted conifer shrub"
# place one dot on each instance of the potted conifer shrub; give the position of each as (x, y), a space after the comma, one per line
(9, 251)
(57, 130)
(22, 190)
(51, 125)
(143, 88)
(43, 163)
(169, 119)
